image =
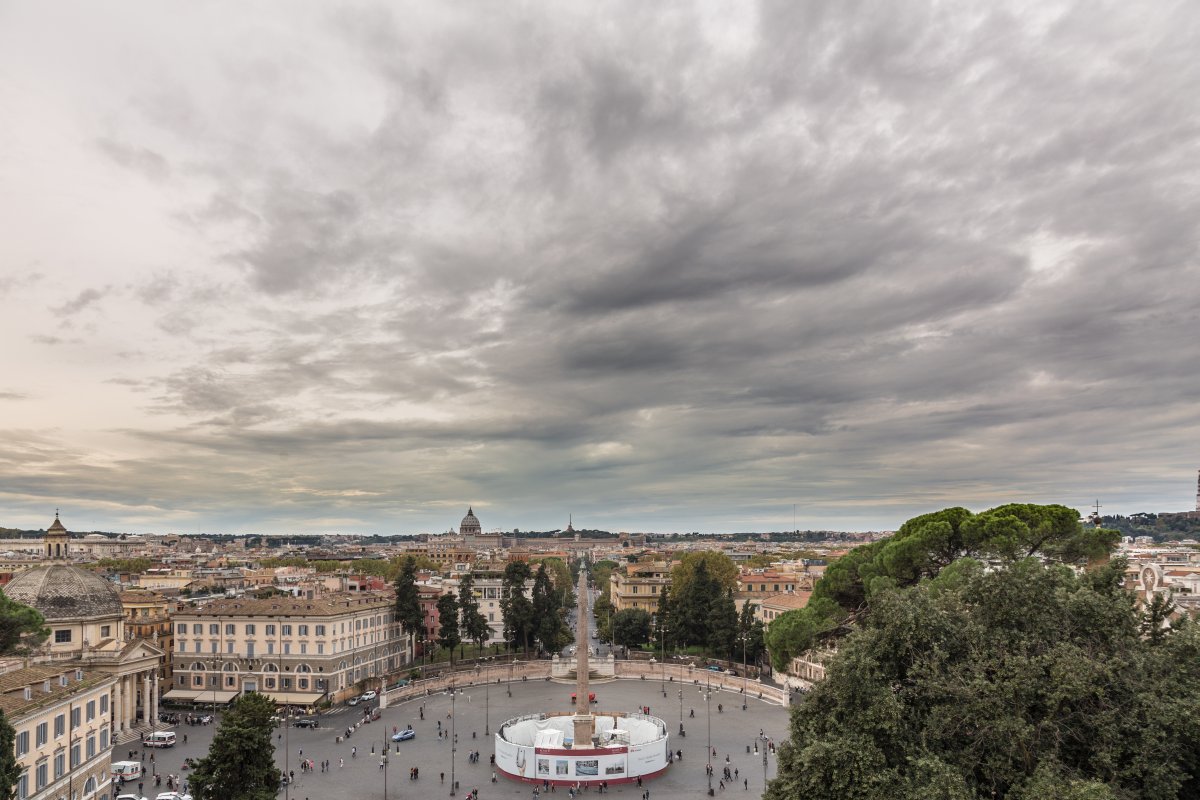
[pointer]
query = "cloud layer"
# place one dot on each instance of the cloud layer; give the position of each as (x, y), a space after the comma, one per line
(665, 267)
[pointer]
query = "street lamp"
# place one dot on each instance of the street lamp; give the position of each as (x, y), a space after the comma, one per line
(486, 698)
(681, 709)
(383, 762)
(511, 667)
(662, 655)
(453, 738)
(745, 677)
(708, 714)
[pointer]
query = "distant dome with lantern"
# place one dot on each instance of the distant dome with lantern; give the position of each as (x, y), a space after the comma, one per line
(470, 524)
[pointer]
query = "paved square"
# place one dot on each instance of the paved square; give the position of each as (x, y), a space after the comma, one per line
(733, 730)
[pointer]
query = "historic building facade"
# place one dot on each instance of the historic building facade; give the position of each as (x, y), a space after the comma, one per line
(297, 651)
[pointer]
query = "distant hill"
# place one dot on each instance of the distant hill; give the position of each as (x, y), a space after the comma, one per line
(1160, 527)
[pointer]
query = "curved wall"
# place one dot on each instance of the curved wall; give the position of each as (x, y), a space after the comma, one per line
(565, 766)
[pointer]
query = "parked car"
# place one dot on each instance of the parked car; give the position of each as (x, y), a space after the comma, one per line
(404, 735)
(353, 701)
(714, 668)
(173, 796)
(371, 695)
(130, 797)
(307, 722)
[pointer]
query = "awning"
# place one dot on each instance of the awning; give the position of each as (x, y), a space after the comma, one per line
(293, 698)
(180, 694)
(209, 696)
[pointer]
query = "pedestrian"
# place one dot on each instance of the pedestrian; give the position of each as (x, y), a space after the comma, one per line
(341, 763)
(746, 784)
(185, 738)
(443, 777)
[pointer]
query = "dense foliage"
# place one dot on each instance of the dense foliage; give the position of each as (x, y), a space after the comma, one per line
(1019, 683)
(515, 607)
(408, 600)
(449, 635)
(920, 549)
(10, 770)
(21, 628)
(131, 565)
(473, 623)
(240, 764)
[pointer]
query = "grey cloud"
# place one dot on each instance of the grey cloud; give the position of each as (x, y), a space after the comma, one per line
(139, 159)
(868, 258)
(81, 301)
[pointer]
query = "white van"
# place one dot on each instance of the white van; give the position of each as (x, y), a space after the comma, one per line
(159, 739)
(126, 770)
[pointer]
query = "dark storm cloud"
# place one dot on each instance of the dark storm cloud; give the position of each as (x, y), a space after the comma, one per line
(677, 271)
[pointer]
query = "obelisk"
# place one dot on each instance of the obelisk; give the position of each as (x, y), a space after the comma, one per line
(585, 723)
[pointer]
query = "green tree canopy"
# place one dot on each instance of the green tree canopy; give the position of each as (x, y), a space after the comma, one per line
(10, 770)
(717, 566)
(21, 628)
(1019, 682)
(408, 600)
(517, 609)
(921, 549)
(449, 635)
(240, 764)
(473, 623)
(602, 574)
(132, 565)
(631, 627)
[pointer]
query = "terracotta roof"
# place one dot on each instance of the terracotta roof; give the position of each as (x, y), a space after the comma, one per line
(326, 606)
(788, 600)
(12, 687)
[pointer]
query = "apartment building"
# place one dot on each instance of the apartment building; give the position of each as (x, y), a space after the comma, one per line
(62, 718)
(296, 650)
(641, 587)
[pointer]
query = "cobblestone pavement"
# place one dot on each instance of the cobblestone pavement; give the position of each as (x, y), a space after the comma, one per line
(733, 731)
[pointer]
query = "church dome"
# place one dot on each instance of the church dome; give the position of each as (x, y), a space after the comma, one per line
(63, 592)
(470, 523)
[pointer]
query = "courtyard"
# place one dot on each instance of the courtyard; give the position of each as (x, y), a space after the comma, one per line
(733, 732)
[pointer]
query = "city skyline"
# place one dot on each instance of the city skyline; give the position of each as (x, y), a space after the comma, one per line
(301, 268)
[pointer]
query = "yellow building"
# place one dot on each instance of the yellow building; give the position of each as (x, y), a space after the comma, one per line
(61, 714)
(148, 616)
(295, 650)
(641, 587)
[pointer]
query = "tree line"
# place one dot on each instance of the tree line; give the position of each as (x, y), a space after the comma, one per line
(536, 619)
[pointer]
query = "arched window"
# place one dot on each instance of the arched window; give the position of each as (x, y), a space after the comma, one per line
(230, 668)
(304, 668)
(89, 786)
(197, 666)
(270, 668)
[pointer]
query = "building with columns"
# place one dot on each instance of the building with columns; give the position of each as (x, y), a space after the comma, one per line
(87, 630)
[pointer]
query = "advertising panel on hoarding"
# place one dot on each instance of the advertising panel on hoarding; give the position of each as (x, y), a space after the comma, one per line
(560, 766)
(587, 767)
(543, 766)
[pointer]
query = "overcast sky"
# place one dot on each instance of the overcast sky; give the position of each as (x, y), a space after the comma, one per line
(350, 267)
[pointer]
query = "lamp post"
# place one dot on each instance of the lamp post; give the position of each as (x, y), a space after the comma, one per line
(383, 762)
(708, 714)
(681, 707)
(745, 677)
(662, 656)
(453, 739)
(511, 667)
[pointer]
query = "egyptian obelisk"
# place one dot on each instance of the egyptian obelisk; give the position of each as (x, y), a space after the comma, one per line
(585, 723)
